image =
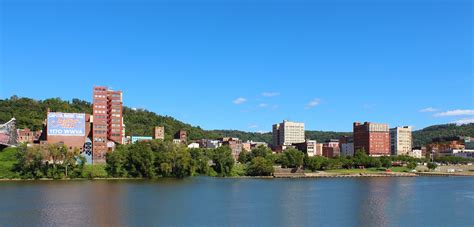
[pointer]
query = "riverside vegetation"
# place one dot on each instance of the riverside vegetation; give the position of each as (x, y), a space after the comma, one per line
(156, 158)
(31, 113)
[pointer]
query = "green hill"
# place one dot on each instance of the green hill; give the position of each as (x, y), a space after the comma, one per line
(31, 113)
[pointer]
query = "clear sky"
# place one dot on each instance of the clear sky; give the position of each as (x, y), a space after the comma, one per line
(245, 65)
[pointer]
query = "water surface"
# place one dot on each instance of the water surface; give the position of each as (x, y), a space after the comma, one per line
(421, 201)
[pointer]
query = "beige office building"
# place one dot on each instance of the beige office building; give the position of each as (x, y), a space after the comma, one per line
(401, 140)
(288, 133)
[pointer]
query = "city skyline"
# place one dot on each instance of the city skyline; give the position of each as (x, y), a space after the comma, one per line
(263, 64)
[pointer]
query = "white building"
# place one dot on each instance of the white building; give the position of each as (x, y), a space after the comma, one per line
(287, 133)
(401, 140)
(347, 149)
(193, 145)
(416, 153)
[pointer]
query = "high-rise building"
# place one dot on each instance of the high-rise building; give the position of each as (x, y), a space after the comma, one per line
(373, 138)
(287, 133)
(401, 140)
(159, 132)
(107, 121)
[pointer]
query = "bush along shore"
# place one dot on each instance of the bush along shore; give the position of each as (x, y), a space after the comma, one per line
(154, 159)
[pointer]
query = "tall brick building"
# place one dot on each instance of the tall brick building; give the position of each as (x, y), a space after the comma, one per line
(373, 138)
(108, 121)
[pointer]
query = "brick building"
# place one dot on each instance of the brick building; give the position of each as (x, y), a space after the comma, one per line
(159, 132)
(373, 138)
(108, 121)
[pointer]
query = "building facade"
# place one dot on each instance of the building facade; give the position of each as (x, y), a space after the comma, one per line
(373, 138)
(346, 144)
(159, 132)
(401, 140)
(288, 133)
(108, 124)
(308, 147)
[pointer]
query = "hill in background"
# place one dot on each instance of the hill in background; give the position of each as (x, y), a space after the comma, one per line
(31, 113)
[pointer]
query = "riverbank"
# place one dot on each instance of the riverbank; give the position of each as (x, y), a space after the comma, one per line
(279, 176)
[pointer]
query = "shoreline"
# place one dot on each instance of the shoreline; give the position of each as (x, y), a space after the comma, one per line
(278, 176)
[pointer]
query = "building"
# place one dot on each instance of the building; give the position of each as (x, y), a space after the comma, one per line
(373, 138)
(401, 140)
(135, 139)
(449, 146)
(308, 147)
(182, 136)
(159, 132)
(346, 145)
(288, 133)
(28, 136)
(193, 145)
(249, 145)
(235, 145)
(107, 122)
(331, 148)
(71, 129)
(416, 153)
(211, 144)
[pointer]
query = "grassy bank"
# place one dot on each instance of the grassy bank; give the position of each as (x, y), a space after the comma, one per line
(7, 161)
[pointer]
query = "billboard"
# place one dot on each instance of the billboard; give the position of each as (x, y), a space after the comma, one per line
(66, 124)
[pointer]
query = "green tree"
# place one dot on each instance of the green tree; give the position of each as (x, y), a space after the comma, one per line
(244, 157)
(223, 160)
(386, 161)
(432, 166)
(140, 160)
(260, 166)
(291, 158)
(116, 162)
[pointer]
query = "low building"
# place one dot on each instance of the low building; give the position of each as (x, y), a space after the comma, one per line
(309, 147)
(193, 145)
(445, 146)
(28, 136)
(235, 145)
(416, 153)
(346, 144)
(135, 139)
(249, 145)
(331, 148)
(210, 144)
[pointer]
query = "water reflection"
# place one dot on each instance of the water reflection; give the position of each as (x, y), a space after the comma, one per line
(239, 202)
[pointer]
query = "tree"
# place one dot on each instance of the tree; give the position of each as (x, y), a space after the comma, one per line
(115, 166)
(314, 163)
(411, 165)
(292, 158)
(140, 160)
(260, 151)
(260, 166)
(432, 166)
(386, 161)
(223, 161)
(200, 160)
(244, 157)
(30, 162)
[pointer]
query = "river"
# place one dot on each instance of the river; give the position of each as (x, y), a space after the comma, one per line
(205, 201)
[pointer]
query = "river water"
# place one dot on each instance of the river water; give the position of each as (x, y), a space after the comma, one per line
(204, 201)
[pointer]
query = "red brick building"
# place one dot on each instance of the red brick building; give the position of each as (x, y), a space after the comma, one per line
(182, 136)
(373, 138)
(108, 121)
(28, 136)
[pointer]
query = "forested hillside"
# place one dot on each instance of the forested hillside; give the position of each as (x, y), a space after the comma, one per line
(31, 113)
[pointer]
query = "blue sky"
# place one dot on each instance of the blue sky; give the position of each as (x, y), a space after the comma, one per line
(248, 64)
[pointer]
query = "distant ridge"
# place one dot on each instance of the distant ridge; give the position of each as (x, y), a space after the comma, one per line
(31, 113)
